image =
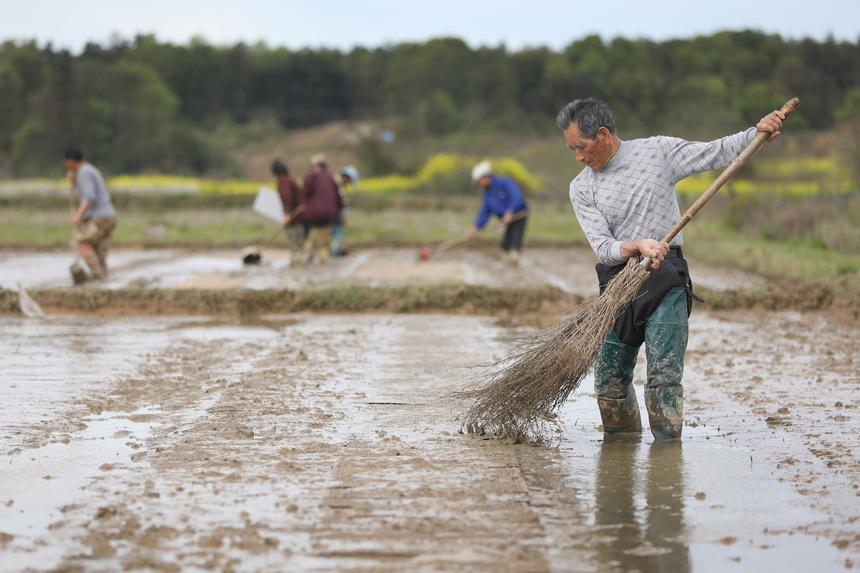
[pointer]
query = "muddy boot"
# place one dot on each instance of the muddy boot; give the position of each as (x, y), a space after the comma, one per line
(665, 412)
(323, 255)
(613, 383)
(665, 344)
(79, 275)
(620, 414)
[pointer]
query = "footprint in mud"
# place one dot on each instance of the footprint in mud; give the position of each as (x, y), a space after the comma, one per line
(777, 421)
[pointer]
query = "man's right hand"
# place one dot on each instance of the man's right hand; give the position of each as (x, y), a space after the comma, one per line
(657, 250)
(471, 232)
(771, 124)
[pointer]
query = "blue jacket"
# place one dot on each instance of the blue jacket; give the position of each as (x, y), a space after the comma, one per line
(501, 196)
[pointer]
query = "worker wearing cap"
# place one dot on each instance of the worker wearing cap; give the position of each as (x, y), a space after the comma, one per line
(347, 179)
(502, 198)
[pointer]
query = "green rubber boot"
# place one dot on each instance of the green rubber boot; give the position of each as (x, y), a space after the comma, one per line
(665, 344)
(613, 383)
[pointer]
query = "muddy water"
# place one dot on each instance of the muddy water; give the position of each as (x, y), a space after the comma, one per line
(330, 442)
(570, 269)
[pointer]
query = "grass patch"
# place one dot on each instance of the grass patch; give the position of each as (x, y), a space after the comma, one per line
(471, 299)
(230, 227)
(716, 243)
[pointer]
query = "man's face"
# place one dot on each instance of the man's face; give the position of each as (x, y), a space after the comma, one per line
(483, 182)
(70, 165)
(594, 152)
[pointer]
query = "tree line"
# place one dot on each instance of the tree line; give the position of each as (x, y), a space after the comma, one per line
(145, 105)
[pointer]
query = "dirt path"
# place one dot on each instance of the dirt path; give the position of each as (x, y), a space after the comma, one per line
(327, 442)
(570, 269)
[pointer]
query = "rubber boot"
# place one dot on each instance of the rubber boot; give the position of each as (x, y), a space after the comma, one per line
(665, 344)
(665, 412)
(620, 414)
(323, 255)
(613, 383)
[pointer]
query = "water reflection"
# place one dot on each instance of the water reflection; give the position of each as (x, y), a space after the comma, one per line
(648, 535)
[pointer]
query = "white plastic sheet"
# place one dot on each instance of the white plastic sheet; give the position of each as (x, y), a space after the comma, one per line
(268, 204)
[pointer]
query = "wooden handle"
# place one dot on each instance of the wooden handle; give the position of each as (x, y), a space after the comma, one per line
(759, 140)
(450, 244)
(790, 106)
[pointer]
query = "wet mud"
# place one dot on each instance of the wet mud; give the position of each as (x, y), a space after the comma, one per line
(568, 269)
(330, 442)
(548, 281)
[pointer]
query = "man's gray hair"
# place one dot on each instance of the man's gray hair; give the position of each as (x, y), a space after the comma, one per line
(590, 114)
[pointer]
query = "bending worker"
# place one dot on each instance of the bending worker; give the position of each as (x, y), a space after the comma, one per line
(95, 218)
(322, 200)
(624, 199)
(502, 198)
(293, 201)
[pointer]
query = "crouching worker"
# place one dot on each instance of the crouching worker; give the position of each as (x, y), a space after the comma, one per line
(502, 198)
(95, 218)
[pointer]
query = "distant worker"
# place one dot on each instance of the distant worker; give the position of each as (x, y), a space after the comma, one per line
(502, 198)
(95, 218)
(347, 180)
(293, 200)
(322, 204)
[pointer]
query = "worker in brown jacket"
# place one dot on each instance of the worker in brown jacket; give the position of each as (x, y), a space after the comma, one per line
(293, 200)
(322, 202)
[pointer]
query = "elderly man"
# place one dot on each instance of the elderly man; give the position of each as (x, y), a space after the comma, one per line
(624, 199)
(95, 218)
(502, 198)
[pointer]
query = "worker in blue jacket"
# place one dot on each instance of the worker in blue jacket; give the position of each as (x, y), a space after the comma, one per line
(502, 198)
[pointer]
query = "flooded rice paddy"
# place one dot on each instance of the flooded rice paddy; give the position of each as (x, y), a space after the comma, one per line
(321, 442)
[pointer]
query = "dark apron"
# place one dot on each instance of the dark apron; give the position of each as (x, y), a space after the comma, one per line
(673, 273)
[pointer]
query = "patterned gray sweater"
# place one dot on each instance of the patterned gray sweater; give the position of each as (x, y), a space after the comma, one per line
(634, 197)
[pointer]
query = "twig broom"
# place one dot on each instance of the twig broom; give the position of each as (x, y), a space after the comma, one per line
(522, 395)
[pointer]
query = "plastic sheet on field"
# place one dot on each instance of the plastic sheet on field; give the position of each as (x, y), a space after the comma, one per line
(268, 204)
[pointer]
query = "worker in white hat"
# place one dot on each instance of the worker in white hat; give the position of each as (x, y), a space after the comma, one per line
(504, 199)
(347, 179)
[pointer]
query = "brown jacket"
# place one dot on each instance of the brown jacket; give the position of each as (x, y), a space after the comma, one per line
(291, 195)
(322, 196)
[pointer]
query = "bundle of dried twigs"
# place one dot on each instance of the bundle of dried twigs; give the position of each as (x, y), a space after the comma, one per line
(518, 400)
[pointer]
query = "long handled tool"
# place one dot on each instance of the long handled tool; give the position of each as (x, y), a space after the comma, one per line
(254, 255)
(428, 251)
(523, 394)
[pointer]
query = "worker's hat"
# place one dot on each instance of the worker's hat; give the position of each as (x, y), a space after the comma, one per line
(482, 169)
(351, 172)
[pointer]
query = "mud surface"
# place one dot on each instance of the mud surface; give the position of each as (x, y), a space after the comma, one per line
(569, 269)
(329, 442)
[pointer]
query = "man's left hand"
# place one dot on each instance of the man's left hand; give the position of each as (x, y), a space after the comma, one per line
(771, 123)
(508, 217)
